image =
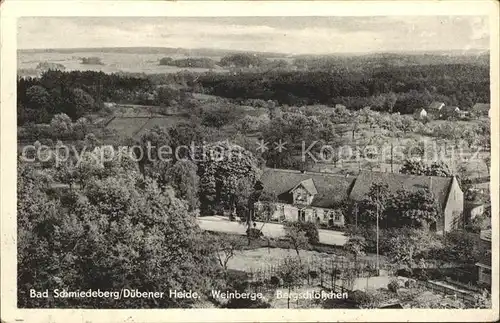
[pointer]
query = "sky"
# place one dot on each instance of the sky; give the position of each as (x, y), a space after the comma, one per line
(291, 35)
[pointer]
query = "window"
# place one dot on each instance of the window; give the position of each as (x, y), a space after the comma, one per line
(302, 215)
(337, 216)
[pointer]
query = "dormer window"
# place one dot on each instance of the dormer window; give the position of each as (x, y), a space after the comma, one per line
(303, 192)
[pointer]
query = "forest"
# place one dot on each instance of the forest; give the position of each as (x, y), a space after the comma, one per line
(414, 86)
(402, 89)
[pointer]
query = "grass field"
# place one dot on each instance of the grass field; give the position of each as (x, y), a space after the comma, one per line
(137, 126)
(113, 62)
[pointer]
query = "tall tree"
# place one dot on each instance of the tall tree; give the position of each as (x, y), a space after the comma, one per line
(222, 167)
(183, 178)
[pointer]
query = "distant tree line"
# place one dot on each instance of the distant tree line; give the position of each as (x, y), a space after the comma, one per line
(188, 62)
(413, 86)
(74, 93)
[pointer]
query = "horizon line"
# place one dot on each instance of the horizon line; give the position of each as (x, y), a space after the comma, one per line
(458, 51)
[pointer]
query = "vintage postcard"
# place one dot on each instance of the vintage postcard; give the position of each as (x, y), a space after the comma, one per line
(249, 161)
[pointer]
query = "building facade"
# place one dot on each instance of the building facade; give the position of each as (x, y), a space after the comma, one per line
(321, 197)
(305, 196)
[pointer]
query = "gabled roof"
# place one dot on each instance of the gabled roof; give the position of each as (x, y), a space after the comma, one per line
(449, 109)
(308, 185)
(330, 188)
(440, 186)
(434, 106)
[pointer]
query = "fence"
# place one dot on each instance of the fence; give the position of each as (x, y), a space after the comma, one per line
(445, 290)
(335, 272)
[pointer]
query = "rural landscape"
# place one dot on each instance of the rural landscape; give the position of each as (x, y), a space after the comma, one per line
(197, 177)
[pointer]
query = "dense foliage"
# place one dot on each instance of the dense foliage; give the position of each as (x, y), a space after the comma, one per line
(118, 231)
(413, 86)
(74, 93)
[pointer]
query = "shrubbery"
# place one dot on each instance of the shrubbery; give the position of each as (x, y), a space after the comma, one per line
(310, 229)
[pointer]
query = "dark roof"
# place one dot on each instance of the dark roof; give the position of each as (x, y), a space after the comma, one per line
(331, 188)
(396, 181)
(435, 105)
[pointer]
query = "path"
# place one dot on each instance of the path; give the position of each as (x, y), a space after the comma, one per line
(273, 230)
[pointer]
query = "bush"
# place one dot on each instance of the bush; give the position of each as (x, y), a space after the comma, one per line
(393, 286)
(310, 229)
(361, 298)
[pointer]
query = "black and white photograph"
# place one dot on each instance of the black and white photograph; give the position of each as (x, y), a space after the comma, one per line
(254, 162)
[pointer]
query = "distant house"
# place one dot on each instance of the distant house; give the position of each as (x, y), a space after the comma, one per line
(420, 114)
(481, 109)
(484, 264)
(306, 196)
(435, 108)
(316, 197)
(463, 114)
(449, 112)
(446, 190)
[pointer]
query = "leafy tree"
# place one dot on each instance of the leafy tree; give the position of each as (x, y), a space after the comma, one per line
(185, 135)
(61, 124)
(296, 237)
(411, 244)
(82, 103)
(355, 245)
(167, 96)
(407, 124)
(219, 117)
(310, 229)
(439, 169)
(292, 272)
(375, 203)
(418, 167)
(415, 209)
(225, 248)
(248, 123)
(183, 177)
(120, 231)
(462, 247)
(391, 100)
(221, 168)
(39, 103)
(153, 158)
